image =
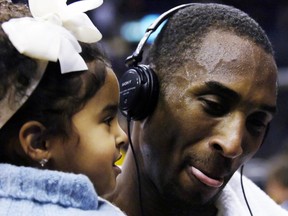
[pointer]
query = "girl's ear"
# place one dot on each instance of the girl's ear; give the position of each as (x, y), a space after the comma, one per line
(33, 142)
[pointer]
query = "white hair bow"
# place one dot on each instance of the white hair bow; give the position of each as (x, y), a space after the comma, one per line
(54, 31)
(51, 34)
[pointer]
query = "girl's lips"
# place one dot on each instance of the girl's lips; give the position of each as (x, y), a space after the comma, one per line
(216, 183)
(117, 169)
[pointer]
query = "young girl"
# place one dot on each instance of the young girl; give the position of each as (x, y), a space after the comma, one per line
(58, 113)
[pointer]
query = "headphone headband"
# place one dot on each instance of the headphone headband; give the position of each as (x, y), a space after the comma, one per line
(139, 86)
(136, 57)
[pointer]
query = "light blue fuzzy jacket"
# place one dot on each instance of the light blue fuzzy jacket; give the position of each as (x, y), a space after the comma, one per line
(29, 191)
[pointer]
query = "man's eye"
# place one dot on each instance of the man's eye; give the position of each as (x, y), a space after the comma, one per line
(214, 107)
(256, 126)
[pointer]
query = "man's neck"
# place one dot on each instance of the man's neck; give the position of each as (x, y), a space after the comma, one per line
(126, 197)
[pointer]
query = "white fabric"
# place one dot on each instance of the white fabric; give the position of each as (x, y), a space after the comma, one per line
(54, 31)
(231, 202)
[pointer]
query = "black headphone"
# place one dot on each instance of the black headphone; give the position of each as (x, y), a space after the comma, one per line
(139, 86)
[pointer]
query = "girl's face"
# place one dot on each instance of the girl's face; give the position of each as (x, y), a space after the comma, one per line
(95, 147)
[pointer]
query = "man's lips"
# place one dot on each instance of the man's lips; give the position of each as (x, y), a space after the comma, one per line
(211, 182)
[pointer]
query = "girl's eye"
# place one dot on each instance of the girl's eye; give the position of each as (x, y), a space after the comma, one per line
(214, 106)
(108, 120)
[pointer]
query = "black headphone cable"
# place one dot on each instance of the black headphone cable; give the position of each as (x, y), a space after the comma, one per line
(137, 167)
(242, 187)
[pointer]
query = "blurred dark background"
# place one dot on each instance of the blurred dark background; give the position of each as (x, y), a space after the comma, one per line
(123, 22)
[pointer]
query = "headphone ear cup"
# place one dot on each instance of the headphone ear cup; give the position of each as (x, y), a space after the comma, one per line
(138, 92)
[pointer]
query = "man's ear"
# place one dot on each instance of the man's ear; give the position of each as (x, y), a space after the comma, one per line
(33, 142)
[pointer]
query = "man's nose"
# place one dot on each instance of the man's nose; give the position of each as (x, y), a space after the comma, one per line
(229, 136)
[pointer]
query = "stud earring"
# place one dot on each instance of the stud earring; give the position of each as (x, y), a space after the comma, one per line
(43, 162)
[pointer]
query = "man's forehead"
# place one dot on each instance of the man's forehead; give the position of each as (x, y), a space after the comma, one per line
(219, 47)
(225, 54)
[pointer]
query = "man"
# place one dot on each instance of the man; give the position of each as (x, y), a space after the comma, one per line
(217, 94)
